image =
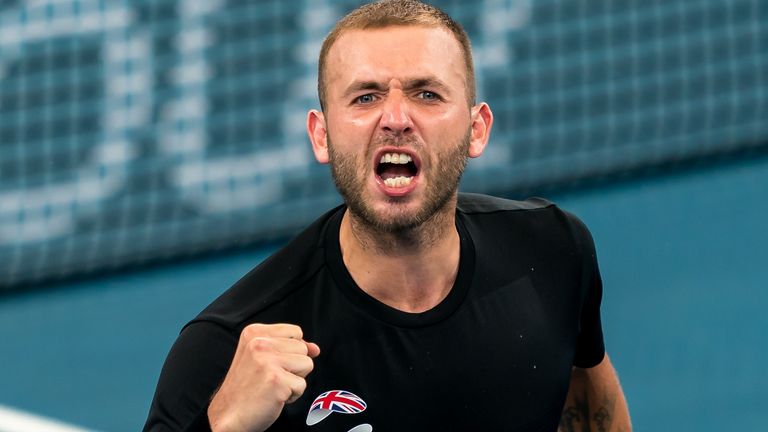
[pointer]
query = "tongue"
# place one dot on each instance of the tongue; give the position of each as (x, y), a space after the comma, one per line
(392, 171)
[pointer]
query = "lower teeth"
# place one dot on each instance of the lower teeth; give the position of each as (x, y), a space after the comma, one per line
(398, 181)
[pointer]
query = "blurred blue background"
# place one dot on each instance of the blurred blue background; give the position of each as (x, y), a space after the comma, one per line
(153, 151)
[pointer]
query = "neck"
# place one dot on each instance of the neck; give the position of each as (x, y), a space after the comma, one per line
(410, 270)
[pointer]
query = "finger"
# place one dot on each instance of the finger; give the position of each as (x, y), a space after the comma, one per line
(289, 331)
(297, 364)
(279, 345)
(296, 384)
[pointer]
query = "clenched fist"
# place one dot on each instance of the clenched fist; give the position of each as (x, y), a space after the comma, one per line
(268, 371)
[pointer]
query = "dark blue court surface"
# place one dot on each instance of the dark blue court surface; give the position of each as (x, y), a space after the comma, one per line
(684, 264)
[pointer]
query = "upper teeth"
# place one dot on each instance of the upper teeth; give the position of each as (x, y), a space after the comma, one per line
(395, 158)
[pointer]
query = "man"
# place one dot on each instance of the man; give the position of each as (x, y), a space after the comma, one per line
(433, 310)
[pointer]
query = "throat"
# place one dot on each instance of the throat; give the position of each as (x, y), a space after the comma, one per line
(411, 241)
(413, 289)
(417, 298)
(409, 273)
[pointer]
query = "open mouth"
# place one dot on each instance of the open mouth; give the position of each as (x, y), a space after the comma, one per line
(396, 169)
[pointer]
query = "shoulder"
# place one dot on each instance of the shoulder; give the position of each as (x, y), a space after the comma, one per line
(284, 272)
(471, 203)
(534, 217)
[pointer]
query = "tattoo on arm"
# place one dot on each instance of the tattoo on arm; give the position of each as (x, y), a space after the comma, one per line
(601, 417)
(576, 416)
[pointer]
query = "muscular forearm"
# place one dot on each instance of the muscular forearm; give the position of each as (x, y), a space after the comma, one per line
(595, 402)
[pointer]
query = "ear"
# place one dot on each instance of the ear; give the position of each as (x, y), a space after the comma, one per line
(482, 120)
(318, 135)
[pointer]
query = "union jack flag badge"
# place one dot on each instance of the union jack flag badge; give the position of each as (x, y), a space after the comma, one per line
(340, 401)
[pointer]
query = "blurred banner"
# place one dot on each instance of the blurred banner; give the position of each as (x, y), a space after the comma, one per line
(139, 130)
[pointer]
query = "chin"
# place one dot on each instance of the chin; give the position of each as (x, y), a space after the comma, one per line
(400, 218)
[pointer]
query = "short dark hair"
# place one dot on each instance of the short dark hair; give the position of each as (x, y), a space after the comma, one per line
(388, 13)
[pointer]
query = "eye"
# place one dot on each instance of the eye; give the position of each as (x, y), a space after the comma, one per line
(428, 95)
(365, 99)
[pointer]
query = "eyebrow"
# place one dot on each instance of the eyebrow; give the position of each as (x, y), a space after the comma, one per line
(410, 84)
(364, 85)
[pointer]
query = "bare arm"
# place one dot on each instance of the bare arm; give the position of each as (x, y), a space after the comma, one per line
(595, 401)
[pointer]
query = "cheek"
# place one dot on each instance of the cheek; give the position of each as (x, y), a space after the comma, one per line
(354, 133)
(351, 122)
(347, 157)
(361, 123)
(447, 135)
(445, 122)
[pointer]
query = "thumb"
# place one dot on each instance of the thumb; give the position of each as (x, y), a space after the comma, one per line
(312, 349)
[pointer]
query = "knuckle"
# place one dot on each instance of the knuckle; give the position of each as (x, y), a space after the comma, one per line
(284, 393)
(272, 376)
(264, 361)
(259, 362)
(296, 331)
(259, 344)
(250, 331)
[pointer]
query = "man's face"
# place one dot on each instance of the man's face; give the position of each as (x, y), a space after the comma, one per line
(398, 122)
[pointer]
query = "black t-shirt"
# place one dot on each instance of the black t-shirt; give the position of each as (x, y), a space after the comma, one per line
(495, 354)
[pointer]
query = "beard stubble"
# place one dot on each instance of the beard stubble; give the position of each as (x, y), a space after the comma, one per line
(350, 177)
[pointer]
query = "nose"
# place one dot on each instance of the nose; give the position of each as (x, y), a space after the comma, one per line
(395, 117)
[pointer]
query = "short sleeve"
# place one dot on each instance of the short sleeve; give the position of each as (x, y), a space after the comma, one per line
(193, 370)
(590, 346)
